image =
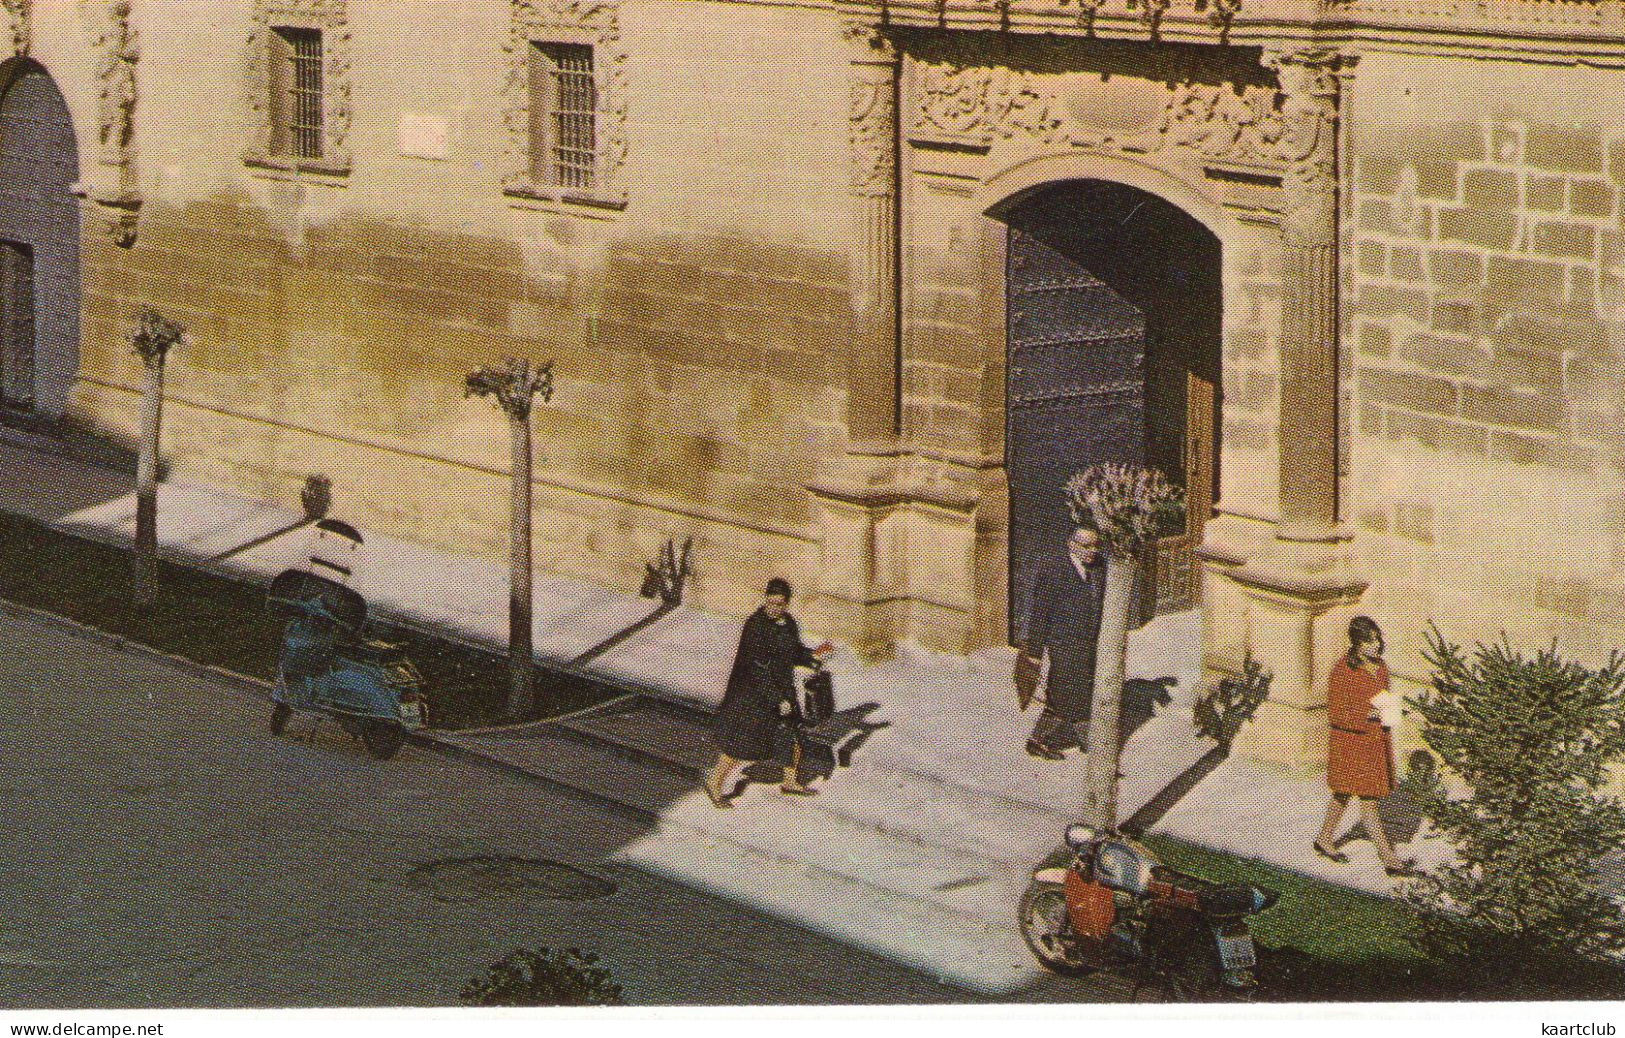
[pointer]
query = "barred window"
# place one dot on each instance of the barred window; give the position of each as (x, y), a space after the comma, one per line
(296, 93)
(563, 116)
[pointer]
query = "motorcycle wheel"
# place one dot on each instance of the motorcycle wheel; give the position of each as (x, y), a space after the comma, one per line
(279, 717)
(1044, 926)
(383, 739)
(1196, 980)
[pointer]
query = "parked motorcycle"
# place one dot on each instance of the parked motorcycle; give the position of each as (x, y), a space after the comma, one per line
(1115, 906)
(332, 666)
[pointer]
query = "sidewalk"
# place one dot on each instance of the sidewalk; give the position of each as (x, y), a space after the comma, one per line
(918, 850)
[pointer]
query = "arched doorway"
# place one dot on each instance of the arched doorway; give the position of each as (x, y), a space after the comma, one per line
(1114, 309)
(39, 244)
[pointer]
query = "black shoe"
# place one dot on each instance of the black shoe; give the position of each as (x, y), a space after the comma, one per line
(1042, 752)
(1405, 870)
(1333, 855)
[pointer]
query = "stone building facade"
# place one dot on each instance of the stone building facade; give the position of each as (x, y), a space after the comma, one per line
(841, 288)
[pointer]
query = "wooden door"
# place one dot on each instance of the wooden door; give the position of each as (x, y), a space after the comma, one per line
(1178, 574)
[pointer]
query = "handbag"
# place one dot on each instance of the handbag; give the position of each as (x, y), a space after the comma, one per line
(1026, 679)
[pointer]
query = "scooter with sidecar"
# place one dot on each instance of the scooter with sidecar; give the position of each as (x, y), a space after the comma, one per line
(331, 665)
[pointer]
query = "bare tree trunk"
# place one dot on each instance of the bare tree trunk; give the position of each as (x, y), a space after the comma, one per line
(146, 485)
(1105, 717)
(521, 658)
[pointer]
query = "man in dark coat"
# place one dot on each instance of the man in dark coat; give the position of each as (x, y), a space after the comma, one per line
(761, 694)
(1065, 622)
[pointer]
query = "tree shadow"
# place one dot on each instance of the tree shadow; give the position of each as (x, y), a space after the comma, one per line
(1142, 698)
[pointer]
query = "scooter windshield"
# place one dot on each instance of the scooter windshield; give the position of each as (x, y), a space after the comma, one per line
(292, 586)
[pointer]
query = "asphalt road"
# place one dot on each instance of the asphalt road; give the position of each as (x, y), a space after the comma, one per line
(159, 848)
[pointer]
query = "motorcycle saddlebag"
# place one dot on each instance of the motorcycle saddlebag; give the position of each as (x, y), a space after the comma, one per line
(1092, 907)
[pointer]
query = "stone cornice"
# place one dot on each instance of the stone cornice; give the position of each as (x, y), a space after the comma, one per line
(1549, 30)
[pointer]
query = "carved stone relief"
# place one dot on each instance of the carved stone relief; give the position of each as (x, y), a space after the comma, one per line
(593, 22)
(872, 115)
(330, 17)
(1244, 125)
(117, 192)
(1309, 110)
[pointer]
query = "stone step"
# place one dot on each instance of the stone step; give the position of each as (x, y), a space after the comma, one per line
(916, 808)
(766, 822)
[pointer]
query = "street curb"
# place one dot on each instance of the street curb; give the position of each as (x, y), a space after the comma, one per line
(119, 643)
(260, 688)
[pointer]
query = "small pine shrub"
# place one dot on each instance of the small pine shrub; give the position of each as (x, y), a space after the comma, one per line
(544, 977)
(1532, 738)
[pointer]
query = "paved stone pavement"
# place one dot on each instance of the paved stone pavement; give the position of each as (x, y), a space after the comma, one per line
(162, 849)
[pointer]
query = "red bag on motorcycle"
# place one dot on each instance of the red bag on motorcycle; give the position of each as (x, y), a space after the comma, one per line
(1091, 906)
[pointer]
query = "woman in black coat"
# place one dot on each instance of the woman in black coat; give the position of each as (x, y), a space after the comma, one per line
(761, 694)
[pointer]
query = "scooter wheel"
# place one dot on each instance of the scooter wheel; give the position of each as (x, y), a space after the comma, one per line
(383, 739)
(279, 717)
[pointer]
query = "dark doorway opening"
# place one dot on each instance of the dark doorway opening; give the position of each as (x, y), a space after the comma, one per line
(39, 245)
(1114, 313)
(16, 326)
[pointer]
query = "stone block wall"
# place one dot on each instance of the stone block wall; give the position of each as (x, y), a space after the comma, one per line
(1484, 315)
(698, 333)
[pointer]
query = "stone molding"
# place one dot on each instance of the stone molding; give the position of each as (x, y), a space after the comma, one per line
(598, 24)
(117, 195)
(1556, 30)
(332, 18)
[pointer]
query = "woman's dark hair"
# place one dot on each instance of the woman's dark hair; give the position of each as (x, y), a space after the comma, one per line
(1362, 629)
(777, 586)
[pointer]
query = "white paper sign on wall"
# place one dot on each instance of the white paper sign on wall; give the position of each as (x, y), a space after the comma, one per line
(423, 135)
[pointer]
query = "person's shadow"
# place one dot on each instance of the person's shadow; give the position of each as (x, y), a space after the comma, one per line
(824, 747)
(1400, 811)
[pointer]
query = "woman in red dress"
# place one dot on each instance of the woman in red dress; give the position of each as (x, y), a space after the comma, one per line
(1360, 761)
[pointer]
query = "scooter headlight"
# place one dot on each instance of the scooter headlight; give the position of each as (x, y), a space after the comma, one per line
(1080, 836)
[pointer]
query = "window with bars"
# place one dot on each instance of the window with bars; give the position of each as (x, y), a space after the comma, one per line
(296, 93)
(563, 116)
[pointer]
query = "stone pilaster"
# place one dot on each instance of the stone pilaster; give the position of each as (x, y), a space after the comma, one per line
(856, 493)
(872, 368)
(1298, 589)
(1309, 331)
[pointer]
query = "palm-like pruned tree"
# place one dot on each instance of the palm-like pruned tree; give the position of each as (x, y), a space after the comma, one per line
(1127, 506)
(515, 384)
(153, 338)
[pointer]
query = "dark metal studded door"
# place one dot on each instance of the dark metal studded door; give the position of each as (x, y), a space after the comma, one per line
(1076, 385)
(39, 226)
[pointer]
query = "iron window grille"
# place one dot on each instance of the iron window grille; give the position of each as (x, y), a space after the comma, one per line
(296, 89)
(564, 116)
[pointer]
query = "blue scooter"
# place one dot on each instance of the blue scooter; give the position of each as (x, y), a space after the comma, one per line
(330, 666)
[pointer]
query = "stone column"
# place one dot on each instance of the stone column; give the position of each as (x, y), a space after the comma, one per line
(1309, 329)
(872, 366)
(856, 495)
(1298, 591)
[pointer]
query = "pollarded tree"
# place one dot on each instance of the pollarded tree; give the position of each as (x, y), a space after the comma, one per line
(515, 384)
(154, 336)
(1128, 507)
